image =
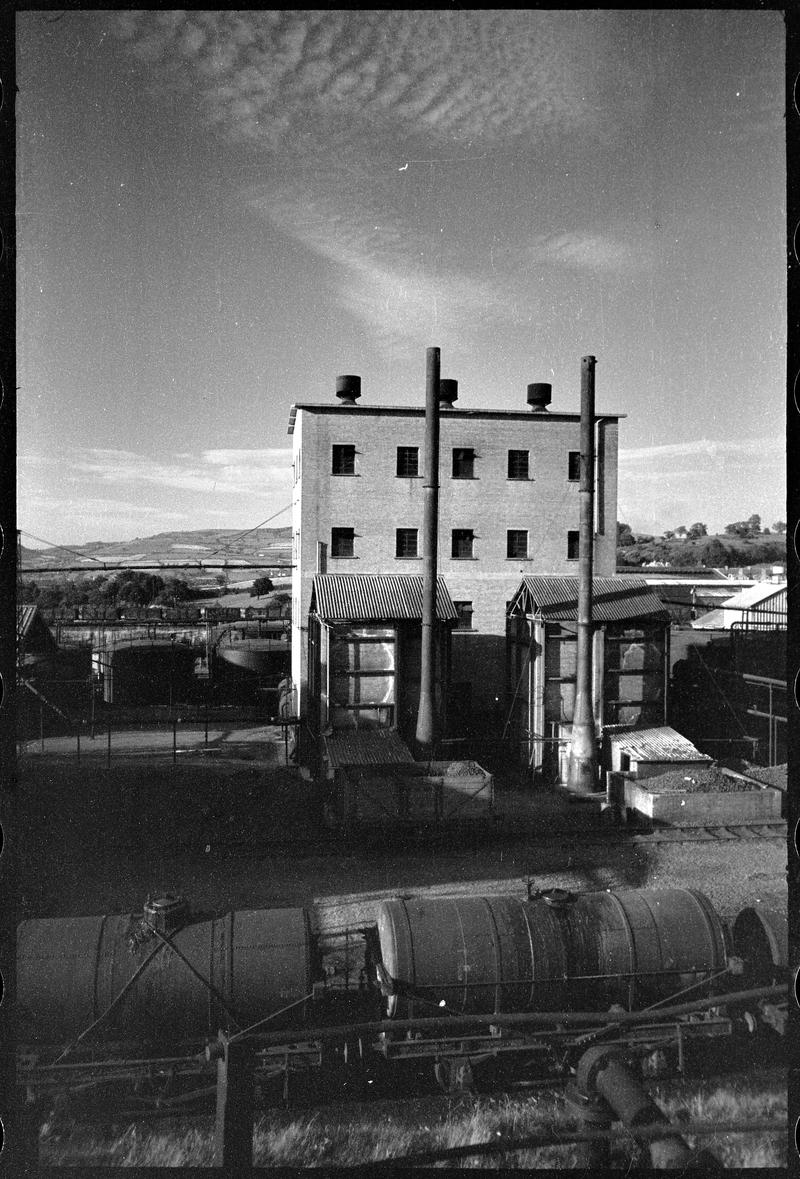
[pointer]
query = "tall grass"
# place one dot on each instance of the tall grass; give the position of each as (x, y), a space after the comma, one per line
(346, 1135)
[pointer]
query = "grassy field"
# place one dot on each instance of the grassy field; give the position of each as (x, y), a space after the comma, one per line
(349, 1135)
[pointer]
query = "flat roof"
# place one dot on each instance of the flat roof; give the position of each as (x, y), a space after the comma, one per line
(418, 411)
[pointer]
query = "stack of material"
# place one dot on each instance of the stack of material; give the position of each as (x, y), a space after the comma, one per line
(704, 797)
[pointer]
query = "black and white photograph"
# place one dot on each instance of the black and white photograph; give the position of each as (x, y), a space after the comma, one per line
(402, 708)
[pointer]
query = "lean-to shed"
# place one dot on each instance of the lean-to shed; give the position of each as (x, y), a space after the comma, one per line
(630, 663)
(364, 634)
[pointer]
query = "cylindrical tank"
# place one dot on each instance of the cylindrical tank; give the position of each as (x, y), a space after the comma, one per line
(761, 938)
(69, 972)
(478, 955)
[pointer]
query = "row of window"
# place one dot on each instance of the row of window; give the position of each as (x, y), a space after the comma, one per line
(462, 543)
(343, 462)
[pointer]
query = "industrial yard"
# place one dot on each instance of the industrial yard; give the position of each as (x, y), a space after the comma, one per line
(233, 830)
(400, 766)
(368, 893)
(239, 829)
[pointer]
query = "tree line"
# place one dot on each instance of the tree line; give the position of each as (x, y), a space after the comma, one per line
(129, 588)
(124, 589)
(744, 542)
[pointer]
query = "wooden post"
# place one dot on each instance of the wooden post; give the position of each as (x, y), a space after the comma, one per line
(174, 740)
(24, 1138)
(108, 752)
(233, 1133)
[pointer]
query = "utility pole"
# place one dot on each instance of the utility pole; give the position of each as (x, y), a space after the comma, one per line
(582, 772)
(426, 717)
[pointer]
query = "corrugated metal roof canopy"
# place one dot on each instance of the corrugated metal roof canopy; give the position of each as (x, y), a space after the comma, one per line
(376, 597)
(367, 747)
(25, 617)
(661, 744)
(614, 599)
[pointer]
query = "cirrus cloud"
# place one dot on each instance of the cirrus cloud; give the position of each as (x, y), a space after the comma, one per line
(459, 74)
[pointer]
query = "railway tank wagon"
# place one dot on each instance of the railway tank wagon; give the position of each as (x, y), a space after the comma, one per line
(561, 951)
(121, 971)
(423, 983)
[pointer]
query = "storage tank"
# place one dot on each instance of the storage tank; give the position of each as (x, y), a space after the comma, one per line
(560, 951)
(72, 972)
(761, 938)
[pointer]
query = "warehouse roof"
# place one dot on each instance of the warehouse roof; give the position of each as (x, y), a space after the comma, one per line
(614, 599)
(769, 597)
(375, 597)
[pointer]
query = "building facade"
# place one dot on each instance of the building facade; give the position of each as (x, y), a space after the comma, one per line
(508, 507)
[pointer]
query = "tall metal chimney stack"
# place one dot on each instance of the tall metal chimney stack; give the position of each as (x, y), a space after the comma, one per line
(426, 717)
(348, 389)
(582, 772)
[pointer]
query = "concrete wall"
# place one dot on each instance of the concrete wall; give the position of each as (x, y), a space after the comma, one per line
(375, 502)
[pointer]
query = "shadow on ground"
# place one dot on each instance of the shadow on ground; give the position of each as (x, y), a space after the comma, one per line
(238, 833)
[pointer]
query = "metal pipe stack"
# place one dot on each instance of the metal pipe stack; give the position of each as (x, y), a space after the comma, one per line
(582, 772)
(426, 717)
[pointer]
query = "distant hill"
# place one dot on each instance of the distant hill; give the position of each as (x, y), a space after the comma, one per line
(720, 551)
(208, 546)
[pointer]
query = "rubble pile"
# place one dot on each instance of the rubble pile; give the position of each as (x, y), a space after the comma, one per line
(776, 776)
(701, 781)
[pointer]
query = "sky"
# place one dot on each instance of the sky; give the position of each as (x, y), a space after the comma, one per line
(219, 212)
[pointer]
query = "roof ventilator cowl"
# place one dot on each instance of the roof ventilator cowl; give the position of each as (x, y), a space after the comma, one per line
(539, 397)
(448, 393)
(348, 389)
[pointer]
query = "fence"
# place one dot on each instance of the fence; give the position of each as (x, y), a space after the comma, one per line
(109, 735)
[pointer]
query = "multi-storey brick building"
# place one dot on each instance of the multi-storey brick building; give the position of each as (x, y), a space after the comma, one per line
(508, 507)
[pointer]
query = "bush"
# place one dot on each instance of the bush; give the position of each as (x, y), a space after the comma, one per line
(261, 586)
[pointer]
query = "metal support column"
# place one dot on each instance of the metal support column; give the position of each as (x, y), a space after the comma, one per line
(426, 717)
(233, 1131)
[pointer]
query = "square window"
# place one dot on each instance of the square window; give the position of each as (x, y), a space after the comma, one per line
(463, 539)
(342, 542)
(407, 462)
(463, 462)
(573, 545)
(344, 460)
(517, 542)
(518, 464)
(406, 544)
(464, 610)
(574, 466)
